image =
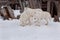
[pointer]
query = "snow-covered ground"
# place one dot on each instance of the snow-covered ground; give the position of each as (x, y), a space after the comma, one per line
(11, 30)
(16, 12)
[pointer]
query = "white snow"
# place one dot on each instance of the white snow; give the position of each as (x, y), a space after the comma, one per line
(11, 30)
(16, 12)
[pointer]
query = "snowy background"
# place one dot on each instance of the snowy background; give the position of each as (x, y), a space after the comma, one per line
(11, 30)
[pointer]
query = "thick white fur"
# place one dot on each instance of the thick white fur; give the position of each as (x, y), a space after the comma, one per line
(36, 19)
(46, 16)
(34, 16)
(40, 16)
(25, 16)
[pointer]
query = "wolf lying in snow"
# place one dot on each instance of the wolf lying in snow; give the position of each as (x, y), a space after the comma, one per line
(25, 17)
(33, 16)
